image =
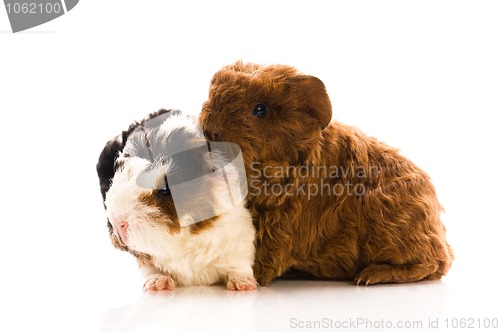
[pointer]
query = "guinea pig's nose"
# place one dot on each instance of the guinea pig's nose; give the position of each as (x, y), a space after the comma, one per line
(121, 228)
(213, 135)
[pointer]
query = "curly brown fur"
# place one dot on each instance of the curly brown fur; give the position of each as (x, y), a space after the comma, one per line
(389, 233)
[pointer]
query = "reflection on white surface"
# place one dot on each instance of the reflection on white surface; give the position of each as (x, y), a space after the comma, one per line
(285, 305)
(186, 308)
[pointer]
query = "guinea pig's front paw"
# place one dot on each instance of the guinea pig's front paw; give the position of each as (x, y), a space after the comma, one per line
(159, 282)
(237, 283)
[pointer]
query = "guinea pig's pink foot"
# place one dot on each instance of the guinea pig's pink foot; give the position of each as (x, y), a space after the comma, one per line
(237, 283)
(159, 282)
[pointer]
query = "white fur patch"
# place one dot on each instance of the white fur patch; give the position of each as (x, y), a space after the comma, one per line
(227, 248)
(224, 249)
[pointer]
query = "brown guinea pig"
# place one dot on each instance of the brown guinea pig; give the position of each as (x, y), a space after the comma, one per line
(166, 195)
(326, 199)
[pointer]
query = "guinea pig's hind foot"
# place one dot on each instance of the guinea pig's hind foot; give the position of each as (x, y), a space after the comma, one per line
(387, 273)
(159, 282)
(239, 283)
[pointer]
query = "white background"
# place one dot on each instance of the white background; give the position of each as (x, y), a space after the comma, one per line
(420, 75)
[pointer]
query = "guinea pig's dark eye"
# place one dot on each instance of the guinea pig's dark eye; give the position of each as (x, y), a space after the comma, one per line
(260, 110)
(160, 193)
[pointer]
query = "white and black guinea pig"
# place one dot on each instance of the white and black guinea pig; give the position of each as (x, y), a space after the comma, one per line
(166, 196)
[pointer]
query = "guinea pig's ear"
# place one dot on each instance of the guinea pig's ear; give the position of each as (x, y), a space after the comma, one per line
(315, 97)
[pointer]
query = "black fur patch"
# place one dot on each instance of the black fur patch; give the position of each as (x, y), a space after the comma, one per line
(106, 164)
